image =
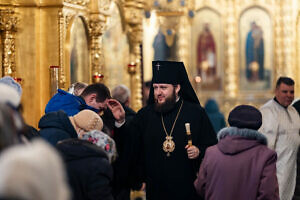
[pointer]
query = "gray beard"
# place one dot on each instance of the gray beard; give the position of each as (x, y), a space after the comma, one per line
(167, 106)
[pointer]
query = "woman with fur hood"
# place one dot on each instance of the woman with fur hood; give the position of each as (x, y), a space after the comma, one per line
(240, 166)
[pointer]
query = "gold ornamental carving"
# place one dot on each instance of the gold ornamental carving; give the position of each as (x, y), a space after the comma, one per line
(62, 38)
(8, 20)
(133, 14)
(8, 27)
(97, 26)
(78, 2)
(98, 14)
(67, 17)
(104, 5)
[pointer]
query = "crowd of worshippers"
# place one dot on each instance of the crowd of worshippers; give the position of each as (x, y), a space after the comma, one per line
(90, 145)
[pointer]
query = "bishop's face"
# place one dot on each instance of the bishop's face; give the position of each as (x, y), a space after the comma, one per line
(163, 92)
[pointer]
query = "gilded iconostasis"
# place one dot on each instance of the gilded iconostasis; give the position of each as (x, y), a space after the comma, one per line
(233, 50)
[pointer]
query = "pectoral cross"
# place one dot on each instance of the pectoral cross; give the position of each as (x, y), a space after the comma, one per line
(157, 65)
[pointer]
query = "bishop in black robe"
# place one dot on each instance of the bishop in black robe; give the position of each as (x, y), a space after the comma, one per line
(170, 177)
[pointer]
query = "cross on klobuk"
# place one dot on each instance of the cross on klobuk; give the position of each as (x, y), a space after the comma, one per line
(157, 65)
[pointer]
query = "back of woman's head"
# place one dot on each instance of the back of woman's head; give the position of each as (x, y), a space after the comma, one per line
(32, 172)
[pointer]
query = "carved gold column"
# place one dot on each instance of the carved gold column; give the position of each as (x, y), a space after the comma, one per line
(97, 26)
(62, 19)
(133, 10)
(8, 27)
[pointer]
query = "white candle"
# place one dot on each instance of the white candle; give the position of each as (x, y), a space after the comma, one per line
(187, 127)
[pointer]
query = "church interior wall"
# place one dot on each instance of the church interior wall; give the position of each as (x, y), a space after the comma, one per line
(277, 34)
(42, 38)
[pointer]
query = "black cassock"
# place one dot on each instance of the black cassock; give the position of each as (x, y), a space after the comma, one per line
(170, 177)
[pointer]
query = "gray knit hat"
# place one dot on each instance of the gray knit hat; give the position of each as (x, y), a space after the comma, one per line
(9, 95)
(12, 83)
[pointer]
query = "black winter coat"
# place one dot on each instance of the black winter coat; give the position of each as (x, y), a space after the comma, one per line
(297, 189)
(122, 183)
(89, 171)
(56, 126)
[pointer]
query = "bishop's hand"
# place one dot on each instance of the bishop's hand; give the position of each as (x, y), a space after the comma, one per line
(192, 151)
(117, 110)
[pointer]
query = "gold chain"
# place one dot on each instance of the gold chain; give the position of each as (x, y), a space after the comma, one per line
(162, 121)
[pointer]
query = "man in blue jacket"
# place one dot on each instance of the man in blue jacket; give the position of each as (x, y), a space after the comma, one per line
(95, 97)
